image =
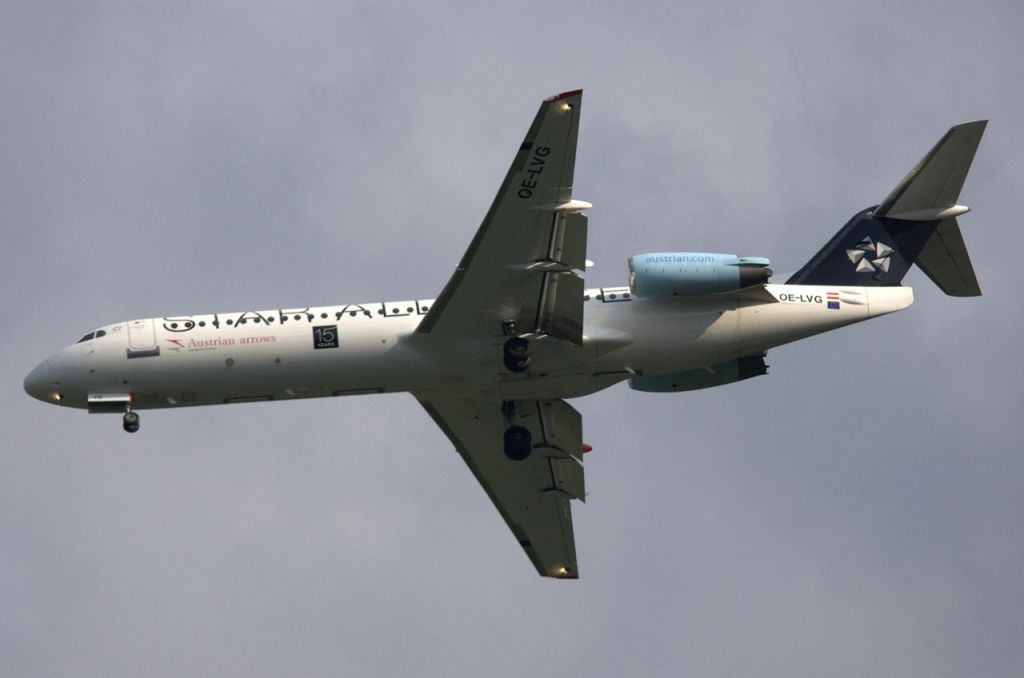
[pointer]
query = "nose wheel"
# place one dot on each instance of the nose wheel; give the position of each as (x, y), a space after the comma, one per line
(131, 422)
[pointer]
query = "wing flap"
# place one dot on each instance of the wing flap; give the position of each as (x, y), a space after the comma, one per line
(568, 476)
(561, 312)
(560, 428)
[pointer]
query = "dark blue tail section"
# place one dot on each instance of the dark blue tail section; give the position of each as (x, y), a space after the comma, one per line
(916, 223)
(867, 252)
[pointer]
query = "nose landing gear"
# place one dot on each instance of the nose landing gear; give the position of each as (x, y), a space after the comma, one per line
(131, 421)
(115, 403)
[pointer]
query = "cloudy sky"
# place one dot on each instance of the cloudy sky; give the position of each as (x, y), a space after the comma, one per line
(859, 511)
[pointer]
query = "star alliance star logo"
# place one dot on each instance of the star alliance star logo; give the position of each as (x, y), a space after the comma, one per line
(871, 256)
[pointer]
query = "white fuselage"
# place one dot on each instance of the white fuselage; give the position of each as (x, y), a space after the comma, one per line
(374, 348)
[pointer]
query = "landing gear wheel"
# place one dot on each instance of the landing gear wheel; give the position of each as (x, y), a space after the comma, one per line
(513, 365)
(518, 443)
(517, 354)
(131, 422)
(517, 347)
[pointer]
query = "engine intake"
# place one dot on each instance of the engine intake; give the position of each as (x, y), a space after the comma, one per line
(671, 274)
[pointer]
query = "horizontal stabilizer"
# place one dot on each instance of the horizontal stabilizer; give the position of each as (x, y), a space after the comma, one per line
(944, 259)
(935, 182)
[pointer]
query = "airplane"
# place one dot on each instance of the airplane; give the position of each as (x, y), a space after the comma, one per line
(515, 334)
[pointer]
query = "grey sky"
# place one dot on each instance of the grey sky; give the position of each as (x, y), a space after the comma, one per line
(856, 512)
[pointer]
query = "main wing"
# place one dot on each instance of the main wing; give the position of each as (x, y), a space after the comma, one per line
(532, 494)
(517, 276)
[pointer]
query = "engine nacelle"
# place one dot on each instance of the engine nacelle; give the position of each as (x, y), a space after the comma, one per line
(669, 274)
(716, 375)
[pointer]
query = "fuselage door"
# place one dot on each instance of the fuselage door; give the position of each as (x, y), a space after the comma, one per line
(142, 339)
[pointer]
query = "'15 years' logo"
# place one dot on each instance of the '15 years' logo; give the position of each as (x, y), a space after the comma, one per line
(325, 336)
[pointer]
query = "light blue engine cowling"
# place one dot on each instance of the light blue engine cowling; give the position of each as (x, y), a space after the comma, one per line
(669, 274)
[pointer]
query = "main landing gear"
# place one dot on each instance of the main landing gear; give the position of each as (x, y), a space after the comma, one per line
(518, 443)
(131, 421)
(517, 354)
(518, 439)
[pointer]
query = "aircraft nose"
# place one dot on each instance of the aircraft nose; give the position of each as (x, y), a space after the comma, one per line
(41, 383)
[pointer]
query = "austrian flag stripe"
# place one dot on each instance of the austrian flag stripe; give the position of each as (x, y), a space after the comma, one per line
(832, 298)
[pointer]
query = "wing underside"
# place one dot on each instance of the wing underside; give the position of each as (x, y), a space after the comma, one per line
(518, 274)
(531, 494)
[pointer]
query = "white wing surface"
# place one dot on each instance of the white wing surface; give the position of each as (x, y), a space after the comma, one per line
(518, 274)
(532, 494)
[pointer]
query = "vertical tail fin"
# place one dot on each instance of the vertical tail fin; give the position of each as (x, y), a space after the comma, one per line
(916, 223)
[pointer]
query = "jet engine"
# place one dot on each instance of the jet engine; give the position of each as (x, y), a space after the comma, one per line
(674, 274)
(691, 380)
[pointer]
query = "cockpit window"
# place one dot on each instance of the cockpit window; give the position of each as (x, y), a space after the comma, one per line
(93, 335)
